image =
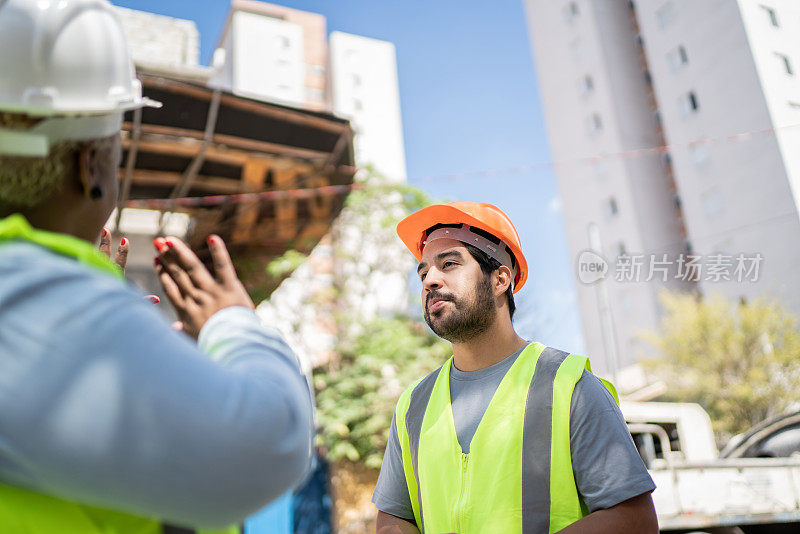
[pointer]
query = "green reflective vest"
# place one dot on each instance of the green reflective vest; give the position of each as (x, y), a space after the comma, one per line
(27, 512)
(518, 474)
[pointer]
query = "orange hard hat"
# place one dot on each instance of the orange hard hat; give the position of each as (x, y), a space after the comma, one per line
(486, 217)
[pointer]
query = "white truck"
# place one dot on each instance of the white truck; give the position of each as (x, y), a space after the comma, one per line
(700, 492)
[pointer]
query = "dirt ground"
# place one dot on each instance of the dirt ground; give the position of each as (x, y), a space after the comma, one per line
(351, 486)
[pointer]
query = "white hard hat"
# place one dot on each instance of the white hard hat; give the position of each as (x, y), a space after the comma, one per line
(66, 61)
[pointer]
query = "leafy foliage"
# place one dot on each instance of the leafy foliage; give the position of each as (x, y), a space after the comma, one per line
(356, 395)
(376, 357)
(741, 362)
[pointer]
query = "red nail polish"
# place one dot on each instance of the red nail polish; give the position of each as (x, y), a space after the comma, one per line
(159, 243)
(105, 232)
(156, 261)
(155, 300)
(210, 240)
(123, 241)
(169, 243)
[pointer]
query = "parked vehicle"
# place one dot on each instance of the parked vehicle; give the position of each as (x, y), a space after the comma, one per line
(778, 437)
(700, 492)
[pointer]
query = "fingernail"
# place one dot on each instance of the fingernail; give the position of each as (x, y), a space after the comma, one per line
(105, 232)
(210, 240)
(156, 261)
(154, 299)
(159, 243)
(123, 242)
(169, 243)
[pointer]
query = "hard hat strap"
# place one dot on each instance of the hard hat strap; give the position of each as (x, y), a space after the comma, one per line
(37, 141)
(498, 251)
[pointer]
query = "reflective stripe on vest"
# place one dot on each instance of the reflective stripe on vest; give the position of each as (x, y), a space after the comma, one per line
(27, 512)
(518, 474)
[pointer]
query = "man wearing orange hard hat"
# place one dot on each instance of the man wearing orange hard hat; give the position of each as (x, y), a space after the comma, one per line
(508, 435)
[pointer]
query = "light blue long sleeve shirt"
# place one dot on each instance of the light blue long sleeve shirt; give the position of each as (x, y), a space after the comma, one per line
(102, 403)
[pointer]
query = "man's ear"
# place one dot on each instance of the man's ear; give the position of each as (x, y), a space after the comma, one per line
(91, 171)
(503, 280)
(87, 168)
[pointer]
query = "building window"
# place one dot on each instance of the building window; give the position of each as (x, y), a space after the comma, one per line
(688, 104)
(600, 168)
(586, 85)
(665, 15)
(570, 12)
(666, 160)
(785, 63)
(611, 208)
(713, 203)
(576, 49)
(351, 56)
(594, 124)
(772, 14)
(282, 42)
(677, 58)
(315, 94)
(699, 153)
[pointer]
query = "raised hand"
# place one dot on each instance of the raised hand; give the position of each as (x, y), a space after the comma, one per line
(121, 257)
(193, 291)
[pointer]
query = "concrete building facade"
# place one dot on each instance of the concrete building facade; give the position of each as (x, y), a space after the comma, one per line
(364, 88)
(161, 40)
(712, 81)
(275, 53)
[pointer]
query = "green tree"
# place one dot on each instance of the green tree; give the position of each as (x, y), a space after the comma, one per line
(375, 357)
(741, 362)
(356, 394)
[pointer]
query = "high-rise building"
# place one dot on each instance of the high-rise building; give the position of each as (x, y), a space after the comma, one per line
(672, 122)
(275, 53)
(364, 88)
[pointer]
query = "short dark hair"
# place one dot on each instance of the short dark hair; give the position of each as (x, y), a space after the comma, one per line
(488, 266)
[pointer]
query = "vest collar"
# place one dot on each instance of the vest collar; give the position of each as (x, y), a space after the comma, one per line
(15, 227)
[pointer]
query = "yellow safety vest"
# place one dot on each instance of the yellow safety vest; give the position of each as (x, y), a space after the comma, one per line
(28, 512)
(518, 475)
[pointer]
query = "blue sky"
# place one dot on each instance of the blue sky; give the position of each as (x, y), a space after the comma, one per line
(470, 103)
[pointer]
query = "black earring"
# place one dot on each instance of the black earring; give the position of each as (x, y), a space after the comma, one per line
(96, 192)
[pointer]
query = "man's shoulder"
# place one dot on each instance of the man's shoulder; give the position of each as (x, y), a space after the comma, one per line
(423, 383)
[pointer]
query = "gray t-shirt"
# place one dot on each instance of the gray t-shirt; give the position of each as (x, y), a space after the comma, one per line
(596, 427)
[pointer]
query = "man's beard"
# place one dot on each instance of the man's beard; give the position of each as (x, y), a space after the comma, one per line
(471, 316)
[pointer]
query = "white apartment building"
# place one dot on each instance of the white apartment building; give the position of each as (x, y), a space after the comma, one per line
(716, 82)
(364, 88)
(275, 53)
